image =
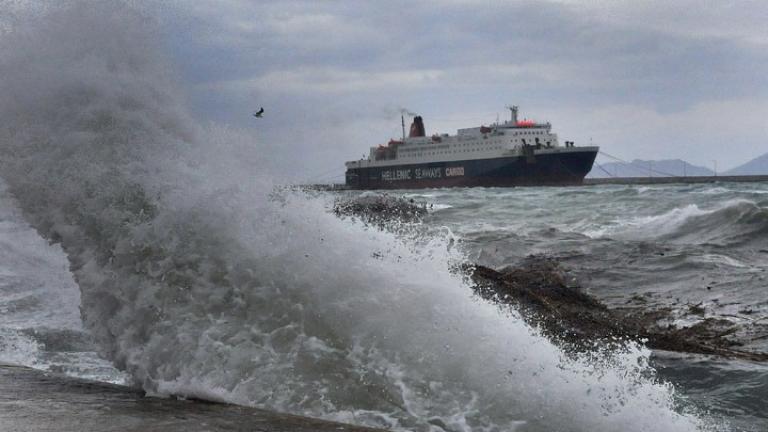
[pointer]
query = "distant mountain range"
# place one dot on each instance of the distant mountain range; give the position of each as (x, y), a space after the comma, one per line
(673, 167)
(648, 168)
(757, 166)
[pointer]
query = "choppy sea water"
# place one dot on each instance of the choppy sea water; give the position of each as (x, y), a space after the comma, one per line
(673, 246)
(142, 247)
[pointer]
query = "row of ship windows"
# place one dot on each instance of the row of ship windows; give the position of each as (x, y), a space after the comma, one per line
(474, 146)
(487, 142)
(451, 151)
(501, 141)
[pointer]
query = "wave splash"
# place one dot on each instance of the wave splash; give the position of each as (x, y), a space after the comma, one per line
(198, 283)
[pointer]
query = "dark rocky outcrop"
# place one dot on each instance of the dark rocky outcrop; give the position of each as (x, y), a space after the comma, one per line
(569, 316)
(381, 209)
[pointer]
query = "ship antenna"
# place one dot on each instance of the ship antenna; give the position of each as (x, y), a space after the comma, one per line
(513, 109)
(402, 121)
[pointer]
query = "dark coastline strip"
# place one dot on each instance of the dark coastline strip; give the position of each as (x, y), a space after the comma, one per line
(32, 400)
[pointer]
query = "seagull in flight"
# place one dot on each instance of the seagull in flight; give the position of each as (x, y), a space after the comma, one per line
(259, 113)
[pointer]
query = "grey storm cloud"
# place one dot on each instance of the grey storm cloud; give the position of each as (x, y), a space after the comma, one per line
(363, 46)
(344, 68)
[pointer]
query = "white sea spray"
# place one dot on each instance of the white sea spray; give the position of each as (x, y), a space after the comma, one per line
(197, 280)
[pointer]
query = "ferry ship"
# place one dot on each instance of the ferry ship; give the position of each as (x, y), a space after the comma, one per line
(513, 153)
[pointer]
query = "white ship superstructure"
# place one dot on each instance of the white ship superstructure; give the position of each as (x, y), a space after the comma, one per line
(510, 138)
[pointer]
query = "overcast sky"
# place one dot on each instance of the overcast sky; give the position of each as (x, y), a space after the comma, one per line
(651, 80)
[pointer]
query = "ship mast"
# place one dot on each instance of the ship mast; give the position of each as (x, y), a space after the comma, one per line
(513, 109)
(402, 121)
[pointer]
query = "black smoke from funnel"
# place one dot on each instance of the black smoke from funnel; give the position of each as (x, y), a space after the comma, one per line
(417, 128)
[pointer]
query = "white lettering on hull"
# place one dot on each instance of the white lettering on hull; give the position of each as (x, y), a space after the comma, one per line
(428, 173)
(421, 173)
(395, 175)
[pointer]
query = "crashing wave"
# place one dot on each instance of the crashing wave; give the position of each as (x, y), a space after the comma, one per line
(196, 283)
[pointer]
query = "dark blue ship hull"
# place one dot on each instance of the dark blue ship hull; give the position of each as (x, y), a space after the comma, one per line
(545, 169)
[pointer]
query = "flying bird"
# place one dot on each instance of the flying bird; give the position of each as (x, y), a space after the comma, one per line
(259, 113)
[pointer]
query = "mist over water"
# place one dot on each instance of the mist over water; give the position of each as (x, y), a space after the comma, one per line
(198, 279)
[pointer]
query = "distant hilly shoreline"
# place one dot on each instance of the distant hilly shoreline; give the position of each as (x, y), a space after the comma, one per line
(648, 168)
(673, 168)
(756, 166)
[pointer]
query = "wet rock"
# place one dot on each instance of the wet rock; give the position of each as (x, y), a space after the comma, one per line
(696, 309)
(381, 208)
(537, 289)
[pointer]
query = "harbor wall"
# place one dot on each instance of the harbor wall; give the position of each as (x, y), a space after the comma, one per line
(609, 180)
(34, 400)
(677, 179)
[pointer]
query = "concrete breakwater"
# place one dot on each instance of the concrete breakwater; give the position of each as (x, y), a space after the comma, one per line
(33, 400)
(604, 181)
(676, 179)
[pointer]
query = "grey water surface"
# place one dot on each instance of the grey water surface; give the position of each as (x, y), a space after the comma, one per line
(671, 246)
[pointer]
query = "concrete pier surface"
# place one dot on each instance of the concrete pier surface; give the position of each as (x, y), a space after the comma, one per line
(678, 179)
(36, 401)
